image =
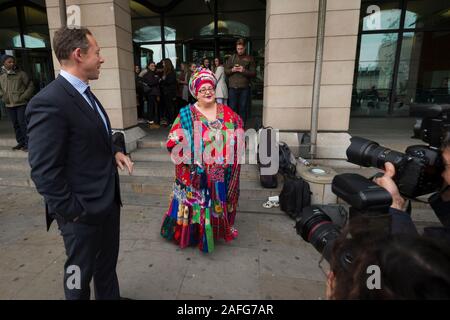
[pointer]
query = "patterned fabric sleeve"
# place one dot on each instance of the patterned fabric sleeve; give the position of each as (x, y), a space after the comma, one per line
(174, 137)
(233, 188)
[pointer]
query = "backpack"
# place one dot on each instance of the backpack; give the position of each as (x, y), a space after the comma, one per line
(267, 181)
(287, 162)
(294, 196)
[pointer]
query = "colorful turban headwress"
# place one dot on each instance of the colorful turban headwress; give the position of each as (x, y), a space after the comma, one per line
(199, 78)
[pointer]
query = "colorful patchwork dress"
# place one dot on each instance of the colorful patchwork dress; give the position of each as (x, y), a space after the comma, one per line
(205, 194)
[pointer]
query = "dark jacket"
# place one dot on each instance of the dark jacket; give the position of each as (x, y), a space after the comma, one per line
(152, 80)
(169, 85)
(240, 79)
(402, 222)
(71, 155)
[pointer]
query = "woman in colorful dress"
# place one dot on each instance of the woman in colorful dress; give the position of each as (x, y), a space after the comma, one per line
(205, 142)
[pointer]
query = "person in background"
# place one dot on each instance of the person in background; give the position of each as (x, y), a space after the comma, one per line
(240, 69)
(169, 91)
(206, 64)
(139, 93)
(16, 89)
(183, 81)
(192, 70)
(153, 96)
(221, 89)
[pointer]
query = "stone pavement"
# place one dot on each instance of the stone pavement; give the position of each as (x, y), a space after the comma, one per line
(267, 261)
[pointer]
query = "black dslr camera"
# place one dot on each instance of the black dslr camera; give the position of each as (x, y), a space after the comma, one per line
(419, 169)
(369, 206)
(418, 172)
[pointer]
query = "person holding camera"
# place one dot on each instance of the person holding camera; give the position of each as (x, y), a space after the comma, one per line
(439, 201)
(394, 267)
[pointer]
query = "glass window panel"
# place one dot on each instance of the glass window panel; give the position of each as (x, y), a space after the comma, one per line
(191, 7)
(426, 14)
(38, 2)
(146, 30)
(244, 24)
(34, 16)
(37, 35)
(160, 3)
(138, 10)
(9, 29)
(150, 52)
(239, 5)
(176, 52)
(374, 78)
(424, 69)
(8, 18)
(186, 27)
(10, 38)
(380, 15)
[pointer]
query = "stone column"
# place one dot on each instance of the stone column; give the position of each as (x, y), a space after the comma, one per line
(291, 30)
(110, 23)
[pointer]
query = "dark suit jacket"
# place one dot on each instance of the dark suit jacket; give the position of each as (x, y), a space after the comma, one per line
(71, 155)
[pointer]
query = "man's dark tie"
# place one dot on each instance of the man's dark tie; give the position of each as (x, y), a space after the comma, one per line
(91, 98)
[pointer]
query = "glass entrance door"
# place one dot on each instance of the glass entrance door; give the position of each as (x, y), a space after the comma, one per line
(199, 49)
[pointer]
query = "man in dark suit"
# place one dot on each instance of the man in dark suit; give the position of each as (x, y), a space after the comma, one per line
(73, 165)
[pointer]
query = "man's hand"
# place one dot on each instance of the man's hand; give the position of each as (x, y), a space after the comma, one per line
(123, 161)
(387, 183)
(237, 69)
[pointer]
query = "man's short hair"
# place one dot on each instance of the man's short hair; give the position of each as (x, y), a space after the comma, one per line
(240, 42)
(66, 40)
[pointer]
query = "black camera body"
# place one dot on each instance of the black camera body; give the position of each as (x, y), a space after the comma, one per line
(418, 170)
(369, 206)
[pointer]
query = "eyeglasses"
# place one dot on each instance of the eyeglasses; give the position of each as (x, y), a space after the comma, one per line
(204, 90)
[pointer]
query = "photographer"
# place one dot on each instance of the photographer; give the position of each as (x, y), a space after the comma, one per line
(440, 201)
(410, 268)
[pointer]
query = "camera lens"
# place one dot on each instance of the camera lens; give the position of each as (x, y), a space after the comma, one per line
(317, 228)
(368, 153)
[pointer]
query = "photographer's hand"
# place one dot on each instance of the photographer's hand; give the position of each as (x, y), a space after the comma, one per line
(387, 183)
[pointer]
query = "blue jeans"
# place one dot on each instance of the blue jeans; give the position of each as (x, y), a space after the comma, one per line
(238, 100)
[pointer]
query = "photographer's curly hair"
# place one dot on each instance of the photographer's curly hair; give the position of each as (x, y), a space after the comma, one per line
(446, 141)
(412, 267)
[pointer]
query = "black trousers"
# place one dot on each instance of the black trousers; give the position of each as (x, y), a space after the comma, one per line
(92, 252)
(17, 116)
(153, 112)
(170, 108)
